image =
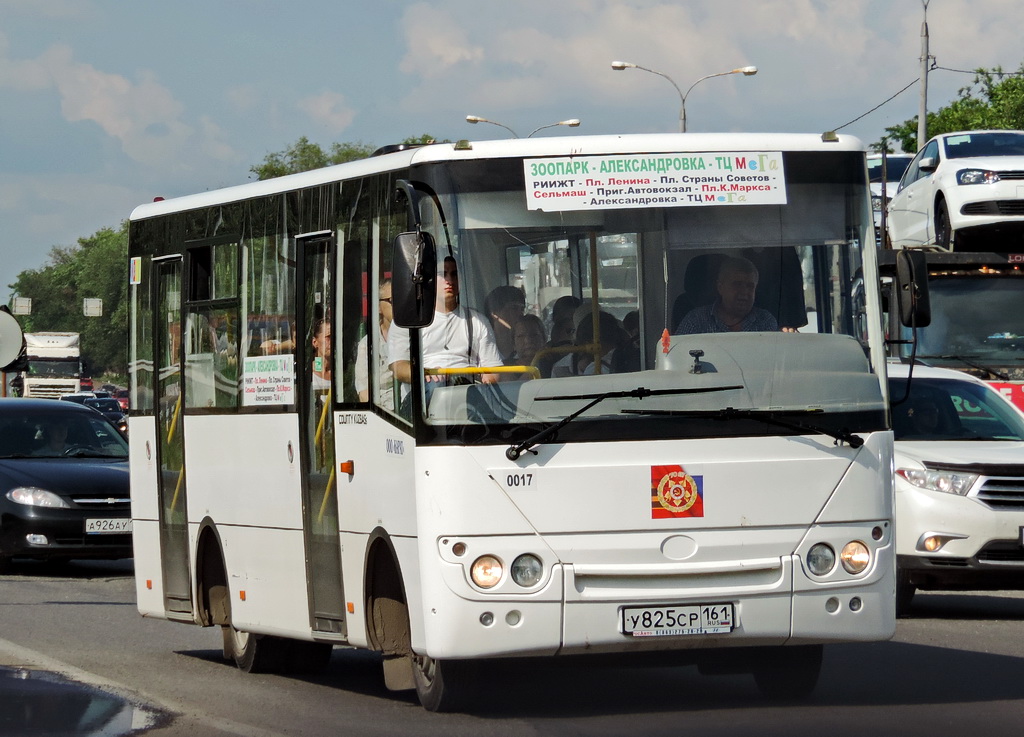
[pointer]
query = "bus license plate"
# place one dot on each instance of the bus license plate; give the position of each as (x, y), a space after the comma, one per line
(116, 526)
(676, 621)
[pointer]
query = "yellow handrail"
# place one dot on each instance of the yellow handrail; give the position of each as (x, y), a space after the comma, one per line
(472, 370)
(327, 495)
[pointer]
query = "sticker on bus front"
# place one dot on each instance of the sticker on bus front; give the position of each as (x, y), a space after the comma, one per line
(676, 493)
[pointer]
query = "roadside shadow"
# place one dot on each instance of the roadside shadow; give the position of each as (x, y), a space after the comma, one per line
(975, 605)
(853, 674)
(79, 570)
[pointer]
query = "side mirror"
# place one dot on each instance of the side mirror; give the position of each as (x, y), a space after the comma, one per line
(928, 163)
(413, 279)
(912, 287)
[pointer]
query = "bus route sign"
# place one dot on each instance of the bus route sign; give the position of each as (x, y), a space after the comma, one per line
(655, 180)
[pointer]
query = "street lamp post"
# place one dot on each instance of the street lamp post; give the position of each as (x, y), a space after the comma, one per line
(745, 71)
(571, 123)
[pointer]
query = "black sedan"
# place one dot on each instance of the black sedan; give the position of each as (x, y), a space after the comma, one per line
(110, 409)
(63, 483)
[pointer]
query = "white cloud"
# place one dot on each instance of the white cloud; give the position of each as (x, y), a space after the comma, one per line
(142, 115)
(436, 42)
(329, 110)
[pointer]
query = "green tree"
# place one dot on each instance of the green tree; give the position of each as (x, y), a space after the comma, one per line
(97, 267)
(994, 100)
(303, 155)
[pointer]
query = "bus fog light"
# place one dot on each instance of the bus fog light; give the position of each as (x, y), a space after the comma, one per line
(486, 571)
(487, 619)
(856, 604)
(821, 559)
(513, 618)
(527, 570)
(855, 557)
(832, 605)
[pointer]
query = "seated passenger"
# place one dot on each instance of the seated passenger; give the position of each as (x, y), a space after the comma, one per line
(612, 337)
(528, 336)
(733, 310)
(504, 307)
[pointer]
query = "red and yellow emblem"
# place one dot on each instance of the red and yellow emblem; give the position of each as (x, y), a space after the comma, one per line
(675, 493)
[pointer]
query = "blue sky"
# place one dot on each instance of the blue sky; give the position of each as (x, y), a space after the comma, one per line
(105, 104)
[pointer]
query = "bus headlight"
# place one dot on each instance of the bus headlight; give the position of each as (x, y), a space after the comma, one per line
(855, 557)
(486, 571)
(527, 570)
(821, 559)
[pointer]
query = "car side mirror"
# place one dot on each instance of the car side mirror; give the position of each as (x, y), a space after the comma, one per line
(912, 289)
(413, 279)
(928, 163)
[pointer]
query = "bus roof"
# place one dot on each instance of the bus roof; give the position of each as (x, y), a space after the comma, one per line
(504, 148)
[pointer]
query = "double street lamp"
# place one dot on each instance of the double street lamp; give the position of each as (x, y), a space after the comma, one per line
(745, 71)
(571, 123)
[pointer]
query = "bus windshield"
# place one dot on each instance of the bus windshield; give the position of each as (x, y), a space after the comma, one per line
(723, 300)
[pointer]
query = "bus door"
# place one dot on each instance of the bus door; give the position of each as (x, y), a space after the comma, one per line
(319, 477)
(174, 555)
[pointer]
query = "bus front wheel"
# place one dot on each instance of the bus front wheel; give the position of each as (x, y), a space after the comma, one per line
(441, 685)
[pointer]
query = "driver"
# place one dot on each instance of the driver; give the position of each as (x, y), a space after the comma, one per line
(457, 338)
(734, 309)
(55, 439)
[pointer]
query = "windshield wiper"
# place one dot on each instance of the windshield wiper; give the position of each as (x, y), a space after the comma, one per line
(981, 367)
(770, 417)
(640, 392)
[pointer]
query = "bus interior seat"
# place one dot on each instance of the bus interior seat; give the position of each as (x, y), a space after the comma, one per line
(698, 285)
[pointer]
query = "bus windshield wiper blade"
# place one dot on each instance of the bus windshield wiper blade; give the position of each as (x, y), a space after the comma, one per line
(770, 417)
(980, 366)
(640, 392)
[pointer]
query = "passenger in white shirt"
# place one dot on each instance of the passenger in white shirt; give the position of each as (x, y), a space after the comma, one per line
(457, 338)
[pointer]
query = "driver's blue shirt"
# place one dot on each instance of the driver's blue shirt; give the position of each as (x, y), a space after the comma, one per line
(704, 320)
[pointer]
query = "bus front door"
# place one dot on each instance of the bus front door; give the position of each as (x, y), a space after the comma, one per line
(319, 477)
(170, 392)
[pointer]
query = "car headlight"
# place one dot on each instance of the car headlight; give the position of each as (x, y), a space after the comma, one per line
(821, 559)
(949, 482)
(977, 176)
(486, 571)
(34, 497)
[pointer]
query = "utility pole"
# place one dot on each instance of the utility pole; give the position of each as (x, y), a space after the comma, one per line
(922, 113)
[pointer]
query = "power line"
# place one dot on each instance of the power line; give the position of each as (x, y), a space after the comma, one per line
(878, 105)
(980, 71)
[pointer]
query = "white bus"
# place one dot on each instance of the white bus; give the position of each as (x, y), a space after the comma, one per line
(718, 494)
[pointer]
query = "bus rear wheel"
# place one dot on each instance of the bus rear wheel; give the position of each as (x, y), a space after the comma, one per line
(268, 654)
(788, 673)
(442, 685)
(253, 653)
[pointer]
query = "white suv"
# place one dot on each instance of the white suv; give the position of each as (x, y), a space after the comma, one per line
(959, 463)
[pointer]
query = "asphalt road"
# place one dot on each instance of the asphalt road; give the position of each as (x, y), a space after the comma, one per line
(955, 668)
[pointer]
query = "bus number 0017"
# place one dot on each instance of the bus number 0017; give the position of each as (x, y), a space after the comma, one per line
(519, 480)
